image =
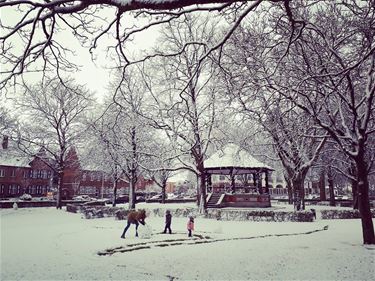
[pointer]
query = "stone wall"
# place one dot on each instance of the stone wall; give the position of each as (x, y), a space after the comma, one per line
(342, 214)
(90, 212)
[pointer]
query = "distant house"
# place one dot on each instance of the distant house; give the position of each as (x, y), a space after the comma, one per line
(99, 184)
(80, 180)
(21, 174)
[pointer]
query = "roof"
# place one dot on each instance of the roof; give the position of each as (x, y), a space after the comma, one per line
(232, 156)
(180, 176)
(12, 158)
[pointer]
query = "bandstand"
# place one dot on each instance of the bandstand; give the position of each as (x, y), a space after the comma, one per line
(234, 163)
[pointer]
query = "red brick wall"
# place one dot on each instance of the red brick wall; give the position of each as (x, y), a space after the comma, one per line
(34, 180)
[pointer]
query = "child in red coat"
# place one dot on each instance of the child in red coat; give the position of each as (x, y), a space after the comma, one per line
(190, 226)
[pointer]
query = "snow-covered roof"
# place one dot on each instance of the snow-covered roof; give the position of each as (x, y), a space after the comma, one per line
(9, 157)
(180, 176)
(233, 156)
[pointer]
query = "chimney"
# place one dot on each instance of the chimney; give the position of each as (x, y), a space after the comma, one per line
(5, 142)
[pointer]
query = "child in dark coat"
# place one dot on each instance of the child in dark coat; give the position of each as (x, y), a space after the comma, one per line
(168, 221)
(190, 226)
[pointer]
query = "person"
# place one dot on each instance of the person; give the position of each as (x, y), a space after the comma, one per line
(168, 221)
(190, 226)
(135, 217)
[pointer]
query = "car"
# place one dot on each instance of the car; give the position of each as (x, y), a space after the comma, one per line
(156, 197)
(82, 198)
(140, 199)
(171, 196)
(26, 197)
(122, 199)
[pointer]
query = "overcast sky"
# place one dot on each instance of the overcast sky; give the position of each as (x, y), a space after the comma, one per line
(95, 75)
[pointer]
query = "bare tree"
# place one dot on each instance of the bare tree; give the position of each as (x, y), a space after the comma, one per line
(160, 164)
(52, 122)
(331, 76)
(125, 133)
(102, 151)
(293, 134)
(186, 114)
(32, 40)
(7, 122)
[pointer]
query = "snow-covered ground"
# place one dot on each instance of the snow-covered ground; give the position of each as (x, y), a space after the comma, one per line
(50, 244)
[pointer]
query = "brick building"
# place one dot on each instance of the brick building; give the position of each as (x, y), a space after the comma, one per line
(100, 184)
(20, 174)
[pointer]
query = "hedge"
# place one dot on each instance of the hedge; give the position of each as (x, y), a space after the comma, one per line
(90, 212)
(342, 214)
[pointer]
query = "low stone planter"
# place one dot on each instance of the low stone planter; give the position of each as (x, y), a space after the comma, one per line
(342, 214)
(90, 212)
(261, 215)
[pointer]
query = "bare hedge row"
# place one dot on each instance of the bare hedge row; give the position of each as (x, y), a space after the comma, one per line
(90, 212)
(342, 214)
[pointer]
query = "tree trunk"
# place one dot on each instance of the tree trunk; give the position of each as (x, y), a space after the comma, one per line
(298, 191)
(202, 189)
(133, 171)
(132, 184)
(363, 200)
(332, 201)
(354, 183)
(114, 191)
(198, 193)
(163, 192)
(322, 186)
(355, 194)
(289, 189)
(60, 183)
(302, 195)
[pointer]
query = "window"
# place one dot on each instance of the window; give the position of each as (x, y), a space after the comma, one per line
(2, 173)
(2, 189)
(13, 189)
(81, 189)
(13, 173)
(221, 177)
(84, 176)
(92, 177)
(25, 174)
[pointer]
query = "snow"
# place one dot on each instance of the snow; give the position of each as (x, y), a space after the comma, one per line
(144, 231)
(233, 156)
(50, 244)
(10, 157)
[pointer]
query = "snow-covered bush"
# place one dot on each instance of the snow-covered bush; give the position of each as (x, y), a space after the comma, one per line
(260, 215)
(90, 212)
(342, 214)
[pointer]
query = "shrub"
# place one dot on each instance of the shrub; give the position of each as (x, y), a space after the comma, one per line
(342, 214)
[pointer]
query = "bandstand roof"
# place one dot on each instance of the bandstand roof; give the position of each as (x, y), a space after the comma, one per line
(233, 158)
